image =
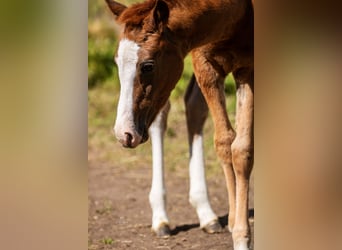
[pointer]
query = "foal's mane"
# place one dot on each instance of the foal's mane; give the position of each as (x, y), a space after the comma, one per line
(136, 13)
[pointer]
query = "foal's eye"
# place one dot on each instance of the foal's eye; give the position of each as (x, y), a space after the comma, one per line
(147, 67)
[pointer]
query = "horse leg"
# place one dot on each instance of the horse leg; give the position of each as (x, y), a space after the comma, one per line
(212, 86)
(157, 196)
(196, 114)
(242, 155)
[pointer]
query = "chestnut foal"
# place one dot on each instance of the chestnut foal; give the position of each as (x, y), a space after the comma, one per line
(157, 36)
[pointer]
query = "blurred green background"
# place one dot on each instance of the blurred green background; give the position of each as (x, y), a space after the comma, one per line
(103, 94)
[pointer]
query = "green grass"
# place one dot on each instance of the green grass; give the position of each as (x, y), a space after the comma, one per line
(107, 241)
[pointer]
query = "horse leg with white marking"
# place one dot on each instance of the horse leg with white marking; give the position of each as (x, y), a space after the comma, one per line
(196, 114)
(157, 197)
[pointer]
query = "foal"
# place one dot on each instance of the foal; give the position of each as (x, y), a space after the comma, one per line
(157, 36)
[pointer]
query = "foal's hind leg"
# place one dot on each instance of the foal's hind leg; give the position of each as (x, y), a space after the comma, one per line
(196, 114)
(157, 197)
(242, 154)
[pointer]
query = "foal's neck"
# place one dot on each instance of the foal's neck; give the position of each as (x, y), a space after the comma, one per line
(196, 23)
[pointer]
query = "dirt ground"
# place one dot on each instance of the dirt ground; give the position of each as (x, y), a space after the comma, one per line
(120, 214)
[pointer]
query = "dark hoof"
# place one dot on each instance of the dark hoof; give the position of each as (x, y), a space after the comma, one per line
(163, 231)
(213, 227)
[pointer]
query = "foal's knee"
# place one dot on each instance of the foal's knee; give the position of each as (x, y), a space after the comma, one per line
(223, 142)
(242, 155)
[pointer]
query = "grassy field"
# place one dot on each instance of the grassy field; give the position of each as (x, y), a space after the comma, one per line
(103, 93)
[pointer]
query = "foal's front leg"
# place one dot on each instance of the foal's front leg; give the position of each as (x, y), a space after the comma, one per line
(211, 83)
(196, 114)
(243, 154)
(157, 197)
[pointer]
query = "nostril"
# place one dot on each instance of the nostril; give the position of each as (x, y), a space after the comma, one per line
(128, 139)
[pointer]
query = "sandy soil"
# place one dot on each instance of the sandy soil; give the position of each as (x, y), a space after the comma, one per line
(120, 215)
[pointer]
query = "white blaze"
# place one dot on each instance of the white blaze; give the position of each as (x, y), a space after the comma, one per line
(127, 58)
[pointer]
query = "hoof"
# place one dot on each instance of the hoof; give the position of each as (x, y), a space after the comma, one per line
(213, 227)
(163, 231)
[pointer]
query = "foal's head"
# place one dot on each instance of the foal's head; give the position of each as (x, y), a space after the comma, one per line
(149, 63)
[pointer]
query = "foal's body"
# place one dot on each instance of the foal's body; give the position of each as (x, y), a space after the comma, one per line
(219, 34)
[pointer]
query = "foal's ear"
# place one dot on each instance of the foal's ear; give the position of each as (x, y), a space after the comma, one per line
(160, 13)
(115, 7)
